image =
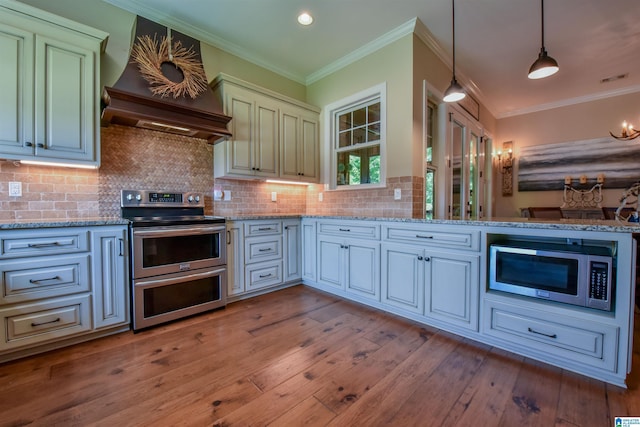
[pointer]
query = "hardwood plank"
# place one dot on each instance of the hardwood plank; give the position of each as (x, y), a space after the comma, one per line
(534, 398)
(581, 402)
(391, 392)
(487, 393)
(275, 402)
(308, 413)
(435, 395)
(341, 393)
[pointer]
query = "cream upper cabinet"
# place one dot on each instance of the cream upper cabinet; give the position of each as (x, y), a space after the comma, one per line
(50, 85)
(299, 145)
(273, 136)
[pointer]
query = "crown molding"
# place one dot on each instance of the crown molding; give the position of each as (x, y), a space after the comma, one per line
(569, 102)
(374, 45)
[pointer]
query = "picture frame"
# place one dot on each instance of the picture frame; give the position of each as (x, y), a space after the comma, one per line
(471, 106)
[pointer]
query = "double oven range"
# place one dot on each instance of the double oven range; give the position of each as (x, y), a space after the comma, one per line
(178, 256)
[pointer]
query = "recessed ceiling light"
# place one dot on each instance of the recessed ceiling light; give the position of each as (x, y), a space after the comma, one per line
(305, 19)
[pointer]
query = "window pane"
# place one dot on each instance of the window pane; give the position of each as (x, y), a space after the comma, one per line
(359, 136)
(345, 139)
(359, 166)
(373, 132)
(359, 117)
(374, 112)
(345, 121)
(429, 195)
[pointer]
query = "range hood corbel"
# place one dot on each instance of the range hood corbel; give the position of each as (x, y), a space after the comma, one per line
(131, 102)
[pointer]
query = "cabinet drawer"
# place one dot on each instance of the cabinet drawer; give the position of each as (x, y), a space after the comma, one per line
(263, 274)
(262, 228)
(46, 277)
(566, 337)
(36, 323)
(366, 231)
(431, 236)
(265, 248)
(22, 243)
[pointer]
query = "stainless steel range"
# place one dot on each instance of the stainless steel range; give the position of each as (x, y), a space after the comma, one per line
(178, 256)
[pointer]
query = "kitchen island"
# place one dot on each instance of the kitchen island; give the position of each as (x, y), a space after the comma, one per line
(436, 272)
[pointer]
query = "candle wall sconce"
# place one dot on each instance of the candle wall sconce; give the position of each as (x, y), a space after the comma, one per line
(581, 197)
(503, 160)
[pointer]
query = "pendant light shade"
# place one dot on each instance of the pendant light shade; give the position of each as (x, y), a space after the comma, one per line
(454, 92)
(545, 65)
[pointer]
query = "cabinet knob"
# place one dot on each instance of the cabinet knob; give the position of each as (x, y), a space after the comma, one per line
(28, 144)
(40, 145)
(419, 258)
(427, 259)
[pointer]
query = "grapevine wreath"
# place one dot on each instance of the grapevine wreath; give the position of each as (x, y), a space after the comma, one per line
(150, 55)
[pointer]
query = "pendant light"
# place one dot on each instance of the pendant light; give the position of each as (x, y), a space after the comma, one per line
(545, 65)
(455, 92)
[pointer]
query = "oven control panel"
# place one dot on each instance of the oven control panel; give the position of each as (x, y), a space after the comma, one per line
(146, 199)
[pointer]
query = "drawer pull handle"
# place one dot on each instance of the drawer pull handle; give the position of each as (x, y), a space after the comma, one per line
(344, 229)
(43, 245)
(262, 276)
(33, 324)
(264, 250)
(419, 236)
(533, 331)
(34, 281)
(265, 229)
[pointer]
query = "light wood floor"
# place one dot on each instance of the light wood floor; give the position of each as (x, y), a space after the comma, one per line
(299, 357)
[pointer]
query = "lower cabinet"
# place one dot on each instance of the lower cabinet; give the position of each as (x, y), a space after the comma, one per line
(61, 283)
(438, 284)
(110, 299)
(351, 265)
(262, 254)
(308, 255)
(552, 334)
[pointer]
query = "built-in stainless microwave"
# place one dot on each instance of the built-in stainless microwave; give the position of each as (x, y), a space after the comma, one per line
(571, 274)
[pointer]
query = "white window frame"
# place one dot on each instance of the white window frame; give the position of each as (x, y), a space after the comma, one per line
(331, 113)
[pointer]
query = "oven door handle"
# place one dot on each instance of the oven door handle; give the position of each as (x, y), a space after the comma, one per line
(183, 278)
(178, 231)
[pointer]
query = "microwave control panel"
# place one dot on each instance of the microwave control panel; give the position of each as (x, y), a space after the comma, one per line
(599, 283)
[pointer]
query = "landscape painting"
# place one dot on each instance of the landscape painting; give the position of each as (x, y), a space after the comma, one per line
(544, 167)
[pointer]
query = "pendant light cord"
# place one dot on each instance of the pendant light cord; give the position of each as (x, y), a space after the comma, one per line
(542, 21)
(453, 31)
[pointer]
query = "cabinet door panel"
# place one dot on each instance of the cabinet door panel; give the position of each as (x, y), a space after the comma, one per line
(330, 263)
(64, 96)
(452, 288)
(267, 139)
(16, 87)
(289, 136)
(292, 251)
(309, 152)
(309, 249)
(363, 275)
(110, 277)
(239, 156)
(403, 278)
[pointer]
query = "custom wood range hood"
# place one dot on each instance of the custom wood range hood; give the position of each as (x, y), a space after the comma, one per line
(163, 87)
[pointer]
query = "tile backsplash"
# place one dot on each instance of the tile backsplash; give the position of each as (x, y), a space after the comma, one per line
(135, 158)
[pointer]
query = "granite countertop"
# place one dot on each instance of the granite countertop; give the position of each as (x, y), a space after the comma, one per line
(549, 224)
(517, 222)
(11, 224)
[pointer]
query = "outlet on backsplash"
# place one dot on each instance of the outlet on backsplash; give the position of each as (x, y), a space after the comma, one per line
(15, 189)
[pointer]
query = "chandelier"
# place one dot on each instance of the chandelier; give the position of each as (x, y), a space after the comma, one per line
(628, 133)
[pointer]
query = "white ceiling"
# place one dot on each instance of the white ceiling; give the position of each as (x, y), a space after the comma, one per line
(496, 40)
